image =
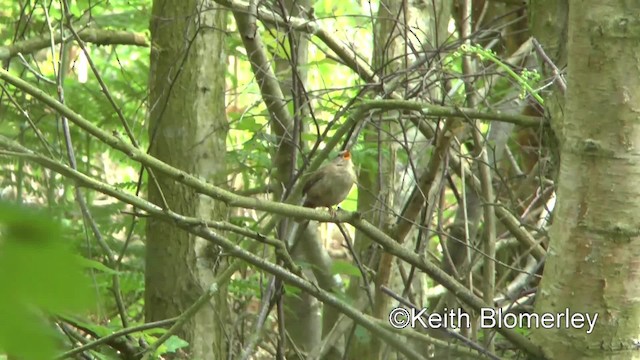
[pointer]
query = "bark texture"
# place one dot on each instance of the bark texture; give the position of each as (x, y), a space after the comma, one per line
(187, 130)
(592, 263)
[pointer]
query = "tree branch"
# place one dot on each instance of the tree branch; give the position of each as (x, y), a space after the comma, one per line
(232, 199)
(95, 36)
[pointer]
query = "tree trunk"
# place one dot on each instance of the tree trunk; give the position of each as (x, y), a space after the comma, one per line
(187, 130)
(592, 264)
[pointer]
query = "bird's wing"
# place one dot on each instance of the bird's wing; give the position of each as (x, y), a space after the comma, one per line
(313, 178)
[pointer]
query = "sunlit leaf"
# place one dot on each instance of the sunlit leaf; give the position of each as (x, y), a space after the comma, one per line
(344, 268)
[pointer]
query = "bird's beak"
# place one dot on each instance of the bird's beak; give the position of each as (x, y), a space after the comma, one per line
(346, 155)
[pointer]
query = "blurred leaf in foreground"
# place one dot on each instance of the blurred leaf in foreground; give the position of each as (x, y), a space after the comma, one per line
(39, 275)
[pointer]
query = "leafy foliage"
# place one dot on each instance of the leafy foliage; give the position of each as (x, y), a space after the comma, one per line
(45, 258)
(40, 275)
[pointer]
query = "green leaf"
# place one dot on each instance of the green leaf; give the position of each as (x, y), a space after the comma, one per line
(98, 329)
(174, 343)
(245, 287)
(345, 268)
(39, 274)
(309, 137)
(96, 265)
(292, 290)
(362, 334)
(249, 123)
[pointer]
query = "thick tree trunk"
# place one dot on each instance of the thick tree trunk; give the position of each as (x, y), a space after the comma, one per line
(187, 130)
(592, 265)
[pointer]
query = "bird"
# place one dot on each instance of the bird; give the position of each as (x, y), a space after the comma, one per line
(331, 183)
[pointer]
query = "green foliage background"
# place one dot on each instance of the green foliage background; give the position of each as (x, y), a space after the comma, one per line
(52, 269)
(50, 265)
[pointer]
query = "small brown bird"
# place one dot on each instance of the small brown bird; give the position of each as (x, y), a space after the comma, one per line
(331, 183)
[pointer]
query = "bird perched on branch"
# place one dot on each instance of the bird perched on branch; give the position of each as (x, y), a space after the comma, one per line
(331, 183)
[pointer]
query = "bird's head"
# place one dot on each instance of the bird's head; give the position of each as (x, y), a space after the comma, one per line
(343, 158)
